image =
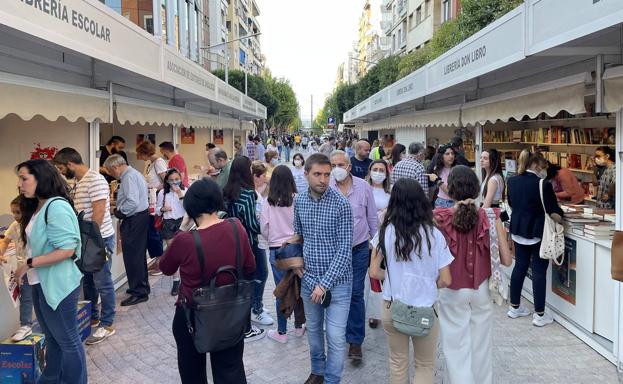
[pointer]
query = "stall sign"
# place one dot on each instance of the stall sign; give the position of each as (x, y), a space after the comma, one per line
(22, 361)
(187, 136)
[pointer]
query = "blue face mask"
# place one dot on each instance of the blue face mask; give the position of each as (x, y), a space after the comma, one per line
(177, 183)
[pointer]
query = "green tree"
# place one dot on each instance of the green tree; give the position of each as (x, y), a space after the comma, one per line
(256, 87)
(288, 107)
(477, 14)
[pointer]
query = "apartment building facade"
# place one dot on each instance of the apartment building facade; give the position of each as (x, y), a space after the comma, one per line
(372, 44)
(394, 24)
(244, 54)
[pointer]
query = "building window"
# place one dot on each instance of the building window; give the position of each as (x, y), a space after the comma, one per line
(446, 10)
(148, 22)
(163, 18)
(412, 22)
(418, 15)
(243, 58)
(426, 8)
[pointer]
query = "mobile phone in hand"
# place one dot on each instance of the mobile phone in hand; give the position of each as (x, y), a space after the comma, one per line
(325, 300)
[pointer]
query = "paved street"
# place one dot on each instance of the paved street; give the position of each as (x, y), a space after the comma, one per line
(143, 351)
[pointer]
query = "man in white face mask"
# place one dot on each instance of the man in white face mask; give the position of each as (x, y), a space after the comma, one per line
(365, 223)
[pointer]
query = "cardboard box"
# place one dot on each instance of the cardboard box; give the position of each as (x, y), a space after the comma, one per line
(84, 319)
(22, 362)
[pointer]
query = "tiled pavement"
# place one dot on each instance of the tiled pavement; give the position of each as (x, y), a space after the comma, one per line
(143, 351)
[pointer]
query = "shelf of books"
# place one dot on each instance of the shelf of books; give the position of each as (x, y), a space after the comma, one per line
(570, 146)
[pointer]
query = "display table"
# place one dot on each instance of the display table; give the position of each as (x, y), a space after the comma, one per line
(581, 293)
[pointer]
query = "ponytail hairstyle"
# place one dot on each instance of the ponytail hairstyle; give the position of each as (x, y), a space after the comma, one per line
(527, 159)
(463, 184)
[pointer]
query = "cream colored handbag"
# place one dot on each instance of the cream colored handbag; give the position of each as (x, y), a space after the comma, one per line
(553, 239)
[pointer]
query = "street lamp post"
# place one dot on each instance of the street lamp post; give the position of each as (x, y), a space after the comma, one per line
(227, 51)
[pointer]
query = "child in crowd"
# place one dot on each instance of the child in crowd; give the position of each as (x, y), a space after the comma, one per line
(170, 205)
(13, 234)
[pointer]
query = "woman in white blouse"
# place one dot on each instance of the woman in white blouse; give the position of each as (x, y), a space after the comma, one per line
(378, 177)
(155, 170)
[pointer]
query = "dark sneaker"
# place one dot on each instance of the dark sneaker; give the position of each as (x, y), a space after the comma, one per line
(354, 352)
(175, 289)
(373, 323)
(314, 379)
(254, 334)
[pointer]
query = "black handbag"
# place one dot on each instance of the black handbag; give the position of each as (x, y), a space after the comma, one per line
(218, 316)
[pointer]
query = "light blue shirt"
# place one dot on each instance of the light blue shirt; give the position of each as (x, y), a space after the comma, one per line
(61, 232)
(132, 194)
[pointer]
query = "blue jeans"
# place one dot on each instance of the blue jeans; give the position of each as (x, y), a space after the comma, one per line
(25, 303)
(287, 153)
(356, 327)
(331, 364)
(100, 284)
(261, 274)
(282, 322)
(443, 203)
(65, 361)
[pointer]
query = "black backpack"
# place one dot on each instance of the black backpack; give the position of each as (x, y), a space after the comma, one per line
(93, 256)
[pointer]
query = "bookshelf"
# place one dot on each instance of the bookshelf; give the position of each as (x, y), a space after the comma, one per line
(568, 142)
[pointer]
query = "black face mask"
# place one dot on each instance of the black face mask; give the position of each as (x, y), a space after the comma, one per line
(113, 150)
(69, 174)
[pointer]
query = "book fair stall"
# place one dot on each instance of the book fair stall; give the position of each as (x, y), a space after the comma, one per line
(542, 79)
(61, 89)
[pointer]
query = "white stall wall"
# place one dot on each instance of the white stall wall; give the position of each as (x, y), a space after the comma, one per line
(19, 139)
(406, 136)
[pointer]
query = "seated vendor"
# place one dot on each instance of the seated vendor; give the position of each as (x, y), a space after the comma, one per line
(566, 185)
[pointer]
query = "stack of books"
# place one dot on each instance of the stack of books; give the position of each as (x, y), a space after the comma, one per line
(599, 231)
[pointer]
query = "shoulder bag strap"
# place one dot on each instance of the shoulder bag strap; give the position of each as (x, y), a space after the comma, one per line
(200, 256)
(541, 193)
(238, 252)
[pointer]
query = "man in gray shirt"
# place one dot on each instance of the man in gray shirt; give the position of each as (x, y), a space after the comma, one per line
(132, 208)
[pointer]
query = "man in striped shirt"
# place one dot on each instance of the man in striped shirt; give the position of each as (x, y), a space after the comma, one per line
(411, 167)
(91, 195)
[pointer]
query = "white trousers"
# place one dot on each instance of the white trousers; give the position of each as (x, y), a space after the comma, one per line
(466, 318)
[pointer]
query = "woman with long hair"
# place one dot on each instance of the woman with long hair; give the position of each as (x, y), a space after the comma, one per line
(466, 312)
(298, 171)
(240, 197)
(170, 206)
(438, 170)
(492, 190)
(398, 152)
(51, 238)
(378, 177)
(417, 265)
(526, 228)
(277, 223)
(155, 170)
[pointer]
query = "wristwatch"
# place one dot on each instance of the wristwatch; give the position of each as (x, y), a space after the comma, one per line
(29, 263)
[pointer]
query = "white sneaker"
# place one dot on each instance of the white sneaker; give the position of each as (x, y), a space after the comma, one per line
(23, 332)
(254, 334)
(262, 318)
(541, 321)
(101, 334)
(514, 313)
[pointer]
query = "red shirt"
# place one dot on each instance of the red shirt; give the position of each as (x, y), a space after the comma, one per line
(177, 162)
(219, 248)
(472, 260)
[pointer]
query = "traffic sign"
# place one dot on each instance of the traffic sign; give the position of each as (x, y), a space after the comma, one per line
(331, 120)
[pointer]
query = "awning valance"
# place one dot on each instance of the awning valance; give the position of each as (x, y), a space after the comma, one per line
(142, 112)
(552, 97)
(613, 89)
(202, 120)
(229, 124)
(27, 97)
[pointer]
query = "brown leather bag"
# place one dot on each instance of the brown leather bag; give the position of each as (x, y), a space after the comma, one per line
(616, 258)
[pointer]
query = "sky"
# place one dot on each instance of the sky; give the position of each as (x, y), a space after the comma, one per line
(305, 41)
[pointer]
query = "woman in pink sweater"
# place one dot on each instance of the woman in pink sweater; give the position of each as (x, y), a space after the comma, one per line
(277, 226)
(565, 183)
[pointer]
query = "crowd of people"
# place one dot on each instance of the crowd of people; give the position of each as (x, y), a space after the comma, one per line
(379, 226)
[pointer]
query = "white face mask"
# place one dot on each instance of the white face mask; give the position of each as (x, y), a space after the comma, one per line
(377, 177)
(298, 163)
(274, 161)
(542, 174)
(340, 174)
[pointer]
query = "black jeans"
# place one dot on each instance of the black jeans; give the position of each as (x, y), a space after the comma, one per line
(134, 247)
(523, 255)
(227, 365)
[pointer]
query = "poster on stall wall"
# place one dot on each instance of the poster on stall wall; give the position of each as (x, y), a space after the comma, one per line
(188, 136)
(44, 150)
(142, 137)
(564, 277)
(218, 137)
